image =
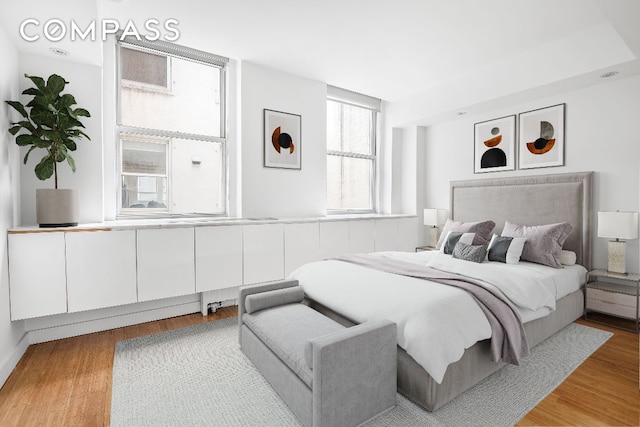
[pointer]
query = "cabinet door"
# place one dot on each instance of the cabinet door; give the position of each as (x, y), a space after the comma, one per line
(38, 282)
(218, 257)
(263, 253)
(334, 239)
(101, 269)
(362, 236)
(409, 233)
(166, 263)
(301, 245)
(386, 234)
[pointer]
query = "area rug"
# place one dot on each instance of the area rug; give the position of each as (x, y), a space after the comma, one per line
(199, 376)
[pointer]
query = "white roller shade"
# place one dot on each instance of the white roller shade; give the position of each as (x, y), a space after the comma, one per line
(354, 98)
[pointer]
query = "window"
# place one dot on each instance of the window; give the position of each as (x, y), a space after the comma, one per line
(171, 135)
(351, 151)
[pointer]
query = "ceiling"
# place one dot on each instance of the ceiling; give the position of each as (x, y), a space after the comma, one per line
(441, 56)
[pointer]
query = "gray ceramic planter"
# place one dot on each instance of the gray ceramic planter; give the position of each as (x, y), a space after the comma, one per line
(57, 207)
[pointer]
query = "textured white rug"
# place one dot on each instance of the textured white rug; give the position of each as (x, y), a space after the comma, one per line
(199, 376)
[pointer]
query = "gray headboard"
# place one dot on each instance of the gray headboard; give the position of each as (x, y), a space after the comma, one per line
(530, 200)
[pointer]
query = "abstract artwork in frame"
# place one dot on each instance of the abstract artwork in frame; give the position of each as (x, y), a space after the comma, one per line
(541, 141)
(494, 144)
(282, 140)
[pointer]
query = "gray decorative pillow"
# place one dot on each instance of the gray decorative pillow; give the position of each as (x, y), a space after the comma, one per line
(473, 253)
(544, 242)
(276, 297)
(453, 237)
(505, 249)
(482, 229)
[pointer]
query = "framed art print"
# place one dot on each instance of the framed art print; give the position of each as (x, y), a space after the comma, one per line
(494, 145)
(282, 140)
(541, 139)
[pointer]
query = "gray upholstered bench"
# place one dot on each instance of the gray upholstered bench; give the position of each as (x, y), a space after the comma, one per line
(327, 374)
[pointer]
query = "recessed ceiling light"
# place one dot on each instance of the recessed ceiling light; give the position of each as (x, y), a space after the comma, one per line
(608, 74)
(59, 51)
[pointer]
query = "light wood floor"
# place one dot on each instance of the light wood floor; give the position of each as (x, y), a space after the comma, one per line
(68, 382)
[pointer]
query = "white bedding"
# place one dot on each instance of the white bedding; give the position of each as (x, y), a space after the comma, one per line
(436, 323)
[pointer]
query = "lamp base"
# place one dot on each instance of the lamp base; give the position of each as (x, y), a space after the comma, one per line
(617, 257)
(432, 237)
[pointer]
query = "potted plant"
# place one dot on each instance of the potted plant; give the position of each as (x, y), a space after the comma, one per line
(50, 122)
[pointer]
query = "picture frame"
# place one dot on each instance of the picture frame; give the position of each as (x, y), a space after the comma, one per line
(494, 145)
(541, 141)
(282, 140)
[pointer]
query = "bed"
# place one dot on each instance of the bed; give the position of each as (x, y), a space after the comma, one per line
(532, 200)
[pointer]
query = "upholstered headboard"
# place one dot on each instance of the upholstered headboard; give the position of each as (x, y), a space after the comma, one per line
(530, 200)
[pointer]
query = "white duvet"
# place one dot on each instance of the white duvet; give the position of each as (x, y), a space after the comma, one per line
(436, 323)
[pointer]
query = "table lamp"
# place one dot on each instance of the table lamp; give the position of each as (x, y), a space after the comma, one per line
(618, 225)
(434, 218)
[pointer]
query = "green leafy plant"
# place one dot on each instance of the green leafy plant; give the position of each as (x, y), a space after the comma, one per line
(51, 123)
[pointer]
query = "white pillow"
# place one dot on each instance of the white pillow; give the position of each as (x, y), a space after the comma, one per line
(567, 257)
(513, 248)
(447, 246)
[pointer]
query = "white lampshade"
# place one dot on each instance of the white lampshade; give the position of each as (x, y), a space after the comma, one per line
(435, 217)
(618, 225)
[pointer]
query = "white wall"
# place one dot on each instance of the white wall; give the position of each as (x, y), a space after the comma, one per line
(11, 333)
(601, 136)
(282, 193)
(85, 84)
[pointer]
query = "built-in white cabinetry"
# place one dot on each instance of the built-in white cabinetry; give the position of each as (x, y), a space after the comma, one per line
(165, 263)
(334, 239)
(38, 284)
(386, 235)
(301, 245)
(362, 236)
(69, 271)
(218, 257)
(101, 269)
(263, 253)
(409, 234)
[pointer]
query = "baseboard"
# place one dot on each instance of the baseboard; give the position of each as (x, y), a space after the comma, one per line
(59, 326)
(117, 321)
(11, 360)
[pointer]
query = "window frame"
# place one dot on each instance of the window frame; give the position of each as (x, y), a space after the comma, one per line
(373, 187)
(170, 50)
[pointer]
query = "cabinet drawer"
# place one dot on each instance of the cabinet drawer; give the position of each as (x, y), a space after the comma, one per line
(623, 305)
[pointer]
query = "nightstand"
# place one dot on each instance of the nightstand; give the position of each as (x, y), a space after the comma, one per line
(425, 249)
(619, 297)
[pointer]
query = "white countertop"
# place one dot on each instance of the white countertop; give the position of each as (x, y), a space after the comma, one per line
(178, 222)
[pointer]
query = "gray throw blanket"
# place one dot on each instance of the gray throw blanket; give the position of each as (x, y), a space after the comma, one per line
(508, 339)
